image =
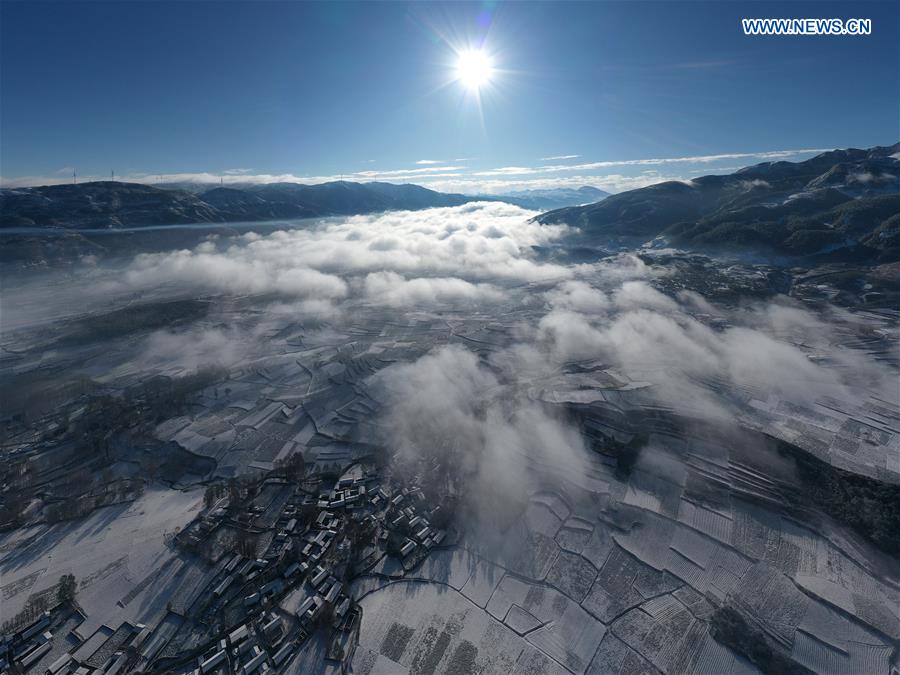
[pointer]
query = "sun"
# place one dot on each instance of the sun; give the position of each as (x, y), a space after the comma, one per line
(474, 69)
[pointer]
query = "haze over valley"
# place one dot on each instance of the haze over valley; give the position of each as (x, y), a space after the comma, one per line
(479, 415)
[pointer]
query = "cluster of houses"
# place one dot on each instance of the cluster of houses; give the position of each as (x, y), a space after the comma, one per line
(347, 493)
(406, 514)
(257, 646)
(27, 646)
(308, 593)
(262, 600)
(35, 648)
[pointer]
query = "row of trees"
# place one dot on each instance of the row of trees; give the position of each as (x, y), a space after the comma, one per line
(293, 467)
(37, 604)
(160, 398)
(78, 506)
(869, 506)
(244, 543)
(360, 533)
(729, 628)
(20, 476)
(236, 489)
(215, 491)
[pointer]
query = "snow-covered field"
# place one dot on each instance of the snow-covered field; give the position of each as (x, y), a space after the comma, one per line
(119, 555)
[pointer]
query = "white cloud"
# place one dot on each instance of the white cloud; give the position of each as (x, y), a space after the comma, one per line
(506, 171)
(695, 159)
(610, 183)
(29, 181)
(756, 183)
(569, 336)
(559, 157)
(626, 267)
(240, 177)
(461, 407)
(866, 177)
(635, 294)
(236, 270)
(405, 172)
(488, 181)
(394, 290)
(451, 411)
(578, 296)
(704, 159)
(434, 256)
(195, 347)
(765, 346)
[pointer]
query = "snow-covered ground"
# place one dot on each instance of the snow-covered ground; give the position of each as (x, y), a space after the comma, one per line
(119, 555)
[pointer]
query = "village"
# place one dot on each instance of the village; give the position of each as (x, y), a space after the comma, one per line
(282, 552)
(251, 519)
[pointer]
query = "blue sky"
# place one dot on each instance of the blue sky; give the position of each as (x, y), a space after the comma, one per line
(257, 91)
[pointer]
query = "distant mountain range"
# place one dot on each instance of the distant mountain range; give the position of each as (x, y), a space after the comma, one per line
(840, 205)
(544, 200)
(843, 203)
(108, 204)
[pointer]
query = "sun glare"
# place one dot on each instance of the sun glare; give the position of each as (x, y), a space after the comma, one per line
(474, 69)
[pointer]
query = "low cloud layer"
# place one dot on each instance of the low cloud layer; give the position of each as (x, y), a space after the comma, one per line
(475, 425)
(475, 397)
(777, 347)
(480, 257)
(394, 290)
(431, 257)
(478, 416)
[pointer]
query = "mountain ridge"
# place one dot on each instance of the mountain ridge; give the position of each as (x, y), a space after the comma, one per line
(108, 204)
(838, 200)
(116, 204)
